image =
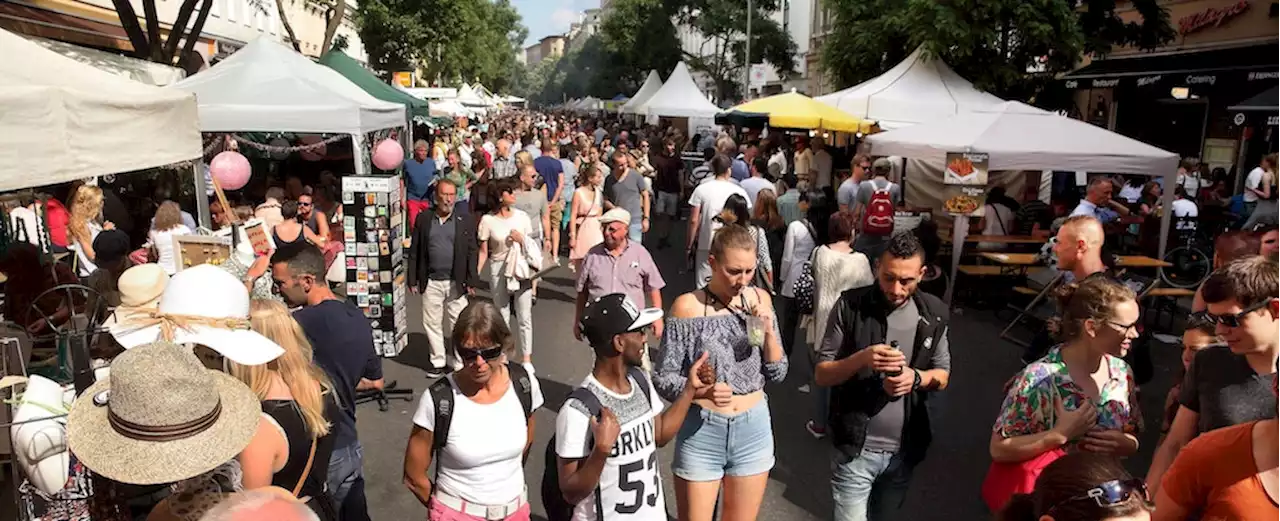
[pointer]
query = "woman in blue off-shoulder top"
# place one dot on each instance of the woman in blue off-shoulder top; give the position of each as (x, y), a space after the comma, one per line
(727, 438)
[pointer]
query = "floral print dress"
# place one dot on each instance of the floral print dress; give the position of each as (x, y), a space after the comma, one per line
(1028, 407)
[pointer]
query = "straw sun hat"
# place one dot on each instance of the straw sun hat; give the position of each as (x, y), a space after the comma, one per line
(161, 417)
(202, 305)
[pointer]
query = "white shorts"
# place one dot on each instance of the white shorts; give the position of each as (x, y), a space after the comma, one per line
(668, 203)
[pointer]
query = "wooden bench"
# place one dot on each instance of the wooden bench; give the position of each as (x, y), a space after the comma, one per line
(1026, 291)
(1170, 293)
(984, 271)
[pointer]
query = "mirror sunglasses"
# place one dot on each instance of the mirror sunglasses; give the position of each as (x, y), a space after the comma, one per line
(1111, 493)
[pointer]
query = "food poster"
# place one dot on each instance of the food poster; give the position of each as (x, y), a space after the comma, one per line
(965, 183)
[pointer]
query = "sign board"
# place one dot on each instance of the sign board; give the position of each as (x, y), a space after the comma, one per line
(1211, 17)
(758, 74)
(965, 180)
(403, 79)
(907, 220)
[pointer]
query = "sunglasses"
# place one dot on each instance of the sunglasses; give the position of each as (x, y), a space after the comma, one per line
(300, 203)
(489, 354)
(1232, 320)
(1111, 493)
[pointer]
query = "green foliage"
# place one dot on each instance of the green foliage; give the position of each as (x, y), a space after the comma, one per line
(723, 24)
(1011, 48)
(452, 41)
(636, 37)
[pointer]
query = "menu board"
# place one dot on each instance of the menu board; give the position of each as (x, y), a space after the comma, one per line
(372, 229)
(965, 183)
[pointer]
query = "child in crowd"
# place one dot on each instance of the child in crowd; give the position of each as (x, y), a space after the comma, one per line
(1199, 335)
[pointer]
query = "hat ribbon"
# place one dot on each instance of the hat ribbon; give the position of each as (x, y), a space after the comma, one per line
(147, 317)
(179, 431)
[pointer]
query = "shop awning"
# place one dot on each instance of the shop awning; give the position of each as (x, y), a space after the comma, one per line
(352, 70)
(1268, 101)
(1199, 68)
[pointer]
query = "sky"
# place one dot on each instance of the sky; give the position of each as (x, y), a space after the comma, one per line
(548, 17)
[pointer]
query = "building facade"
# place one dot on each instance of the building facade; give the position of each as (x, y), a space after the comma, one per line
(819, 25)
(1179, 97)
(230, 24)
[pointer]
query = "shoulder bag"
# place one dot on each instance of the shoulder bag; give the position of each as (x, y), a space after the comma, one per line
(1004, 480)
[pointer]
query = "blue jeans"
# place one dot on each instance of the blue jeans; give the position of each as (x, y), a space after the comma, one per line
(636, 231)
(711, 445)
(870, 487)
(346, 482)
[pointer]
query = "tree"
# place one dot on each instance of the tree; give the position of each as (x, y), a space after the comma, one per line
(722, 23)
(449, 40)
(636, 37)
(147, 43)
(1012, 48)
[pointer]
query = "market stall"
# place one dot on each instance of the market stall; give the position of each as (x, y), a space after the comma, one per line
(417, 109)
(268, 88)
(792, 110)
(651, 84)
(62, 120)
(918, 90)
(681, 101)
(968, 148)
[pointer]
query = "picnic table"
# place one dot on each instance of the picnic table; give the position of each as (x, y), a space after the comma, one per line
(1007, 239)
(1024, 261)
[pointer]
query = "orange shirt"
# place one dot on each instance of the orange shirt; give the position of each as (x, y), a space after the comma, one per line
(1215, 474)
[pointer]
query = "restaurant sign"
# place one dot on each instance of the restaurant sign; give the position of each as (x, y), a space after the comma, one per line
(1211, 17)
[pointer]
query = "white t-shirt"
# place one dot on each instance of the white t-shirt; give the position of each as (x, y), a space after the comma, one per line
(87, 267)
(822, 164)
(633, 464)
(1185, 208)
(497, 230)
(1191, 183)
(710, 196)
(1254, 181)
(753, 186)
(163, 242)
(481, 460)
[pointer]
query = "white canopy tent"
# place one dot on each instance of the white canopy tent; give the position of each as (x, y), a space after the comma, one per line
(589, 104)
(266, 87)
(679, 97)
(1019, 137)
(651, 85)
(918, 90)
(62, 120)
(468, 96)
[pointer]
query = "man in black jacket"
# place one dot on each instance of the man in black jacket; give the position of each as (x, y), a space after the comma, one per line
(884, 351)
(443, 255)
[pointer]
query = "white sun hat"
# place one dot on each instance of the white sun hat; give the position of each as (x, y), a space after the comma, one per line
(201, 305)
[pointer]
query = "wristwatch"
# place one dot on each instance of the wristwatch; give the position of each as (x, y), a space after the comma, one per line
(916, 383)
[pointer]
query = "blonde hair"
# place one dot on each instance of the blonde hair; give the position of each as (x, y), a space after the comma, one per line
(86, 207)
(168, 216)
(306, 381)
(523, 157)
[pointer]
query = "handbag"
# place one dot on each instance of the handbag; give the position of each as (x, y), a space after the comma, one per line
(322, 504)
(802, 288)
(1006, 479)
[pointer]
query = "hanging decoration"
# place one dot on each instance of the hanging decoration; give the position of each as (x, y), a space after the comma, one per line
(388, 154)
(230, 169)
(316, 147)
(279, 144)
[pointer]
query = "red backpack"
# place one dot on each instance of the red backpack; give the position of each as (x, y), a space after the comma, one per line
(878, 217)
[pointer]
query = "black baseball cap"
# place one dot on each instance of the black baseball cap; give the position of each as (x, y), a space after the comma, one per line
(614, 314)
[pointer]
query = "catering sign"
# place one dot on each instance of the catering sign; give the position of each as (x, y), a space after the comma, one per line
(965, 183)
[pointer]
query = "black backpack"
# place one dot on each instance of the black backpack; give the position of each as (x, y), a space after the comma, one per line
(442, 396)
(552, 499)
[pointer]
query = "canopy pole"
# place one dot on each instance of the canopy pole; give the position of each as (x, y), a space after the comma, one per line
(202, 194)
(1166, 199)
(959, 231)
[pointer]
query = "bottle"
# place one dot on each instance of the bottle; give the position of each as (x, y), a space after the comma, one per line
(894, 345)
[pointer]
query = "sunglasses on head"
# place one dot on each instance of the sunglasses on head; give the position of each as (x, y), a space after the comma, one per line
(488, 353)
(1231, 320)
(1111, 493)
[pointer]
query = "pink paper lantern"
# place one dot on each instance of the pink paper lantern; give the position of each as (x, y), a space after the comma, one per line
(314, 154)
(230, 169)
(388, 154)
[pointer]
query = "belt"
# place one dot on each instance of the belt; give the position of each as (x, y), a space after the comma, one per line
(488, 512)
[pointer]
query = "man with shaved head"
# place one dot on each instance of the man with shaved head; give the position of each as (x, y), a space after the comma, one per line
(1079, 246)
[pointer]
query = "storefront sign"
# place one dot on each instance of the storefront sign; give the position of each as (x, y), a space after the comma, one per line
(1149, 80)
(1105, 84)
(1273, 120)
(1264, 75)
(1238, 119)
(1211, 17)
(1205, 79)
(403, 79)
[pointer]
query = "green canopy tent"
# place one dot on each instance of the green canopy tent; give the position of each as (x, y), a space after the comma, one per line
(354, 71)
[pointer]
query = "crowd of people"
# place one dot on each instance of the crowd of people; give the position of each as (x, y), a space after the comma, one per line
(786, 251)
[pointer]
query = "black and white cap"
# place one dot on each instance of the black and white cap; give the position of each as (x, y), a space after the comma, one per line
(614, 314)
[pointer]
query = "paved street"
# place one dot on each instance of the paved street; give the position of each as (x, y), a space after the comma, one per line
(945, 486)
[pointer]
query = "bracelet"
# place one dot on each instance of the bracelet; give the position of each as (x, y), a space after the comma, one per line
(915, 384)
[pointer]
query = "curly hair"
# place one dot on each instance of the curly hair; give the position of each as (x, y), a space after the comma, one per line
(1093, 298)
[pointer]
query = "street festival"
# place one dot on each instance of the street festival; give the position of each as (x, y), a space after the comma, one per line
(690, 259)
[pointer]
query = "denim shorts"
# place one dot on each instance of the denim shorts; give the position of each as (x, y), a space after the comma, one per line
(712, 445)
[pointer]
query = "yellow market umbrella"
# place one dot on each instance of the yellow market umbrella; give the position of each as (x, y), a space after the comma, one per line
(795, 110)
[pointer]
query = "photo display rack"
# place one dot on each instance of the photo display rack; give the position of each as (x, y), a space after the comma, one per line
(372, 227)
